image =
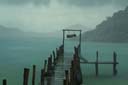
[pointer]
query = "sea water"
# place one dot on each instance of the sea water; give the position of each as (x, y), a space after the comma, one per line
(15, 55)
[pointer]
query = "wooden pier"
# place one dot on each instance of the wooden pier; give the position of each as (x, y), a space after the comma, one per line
(62, 68)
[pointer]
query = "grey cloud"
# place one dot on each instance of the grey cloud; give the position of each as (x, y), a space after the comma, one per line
(121, 2)
(45, 2)
(94, 2)
(84, 3)
(22, 2)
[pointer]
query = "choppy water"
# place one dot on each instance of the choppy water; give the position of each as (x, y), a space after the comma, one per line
(15, 55)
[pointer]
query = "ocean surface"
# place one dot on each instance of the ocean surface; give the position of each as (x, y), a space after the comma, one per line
(15, 55)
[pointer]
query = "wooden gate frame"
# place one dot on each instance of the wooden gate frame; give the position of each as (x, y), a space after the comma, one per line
(68, 30)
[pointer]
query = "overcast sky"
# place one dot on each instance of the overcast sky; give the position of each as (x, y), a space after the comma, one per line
(52, 15)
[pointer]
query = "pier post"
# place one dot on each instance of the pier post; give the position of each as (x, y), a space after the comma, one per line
(51, 59)
(71, 75)
(57, 54)
(64, 82)
(45, 65)
(80, 43)
(49, 82)
(49, 67)
(96, 64)
(63, 40)
(4, 82)
(67, 77)
(25, 76)
(33, 75)
(79, 50)
(42, 76)
(54, 58)
(114, 63)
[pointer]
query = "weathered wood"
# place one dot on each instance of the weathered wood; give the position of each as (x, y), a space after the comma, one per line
(57, 53)
(97, 55)
(64, 30)
(77, 75)
(67, 77)
(96, 69)
(63, 39)
(45, 65)
(4, 82)
(49, 67)
(49, 81)
(79, 49)
(114, 63)
(71, 35)
(71, 30)
(61, 50)
(64, 82)
(42, 77)
(33, 74)
(25, 76)
(96, 64)
(76, 51)
(51, 59)
(100, 62)
(54, 58)
(71, 76)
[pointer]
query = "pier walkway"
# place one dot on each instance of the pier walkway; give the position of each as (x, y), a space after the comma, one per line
(59, 73)
(66, 70)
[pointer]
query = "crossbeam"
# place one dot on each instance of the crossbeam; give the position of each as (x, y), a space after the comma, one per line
(71, 30)
(99, 62)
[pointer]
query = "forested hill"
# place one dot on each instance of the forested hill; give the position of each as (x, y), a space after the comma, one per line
(113, 29)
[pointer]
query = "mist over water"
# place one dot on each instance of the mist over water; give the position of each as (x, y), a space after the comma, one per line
(16, 55)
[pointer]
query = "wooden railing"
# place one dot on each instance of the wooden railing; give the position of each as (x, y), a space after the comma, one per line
(74, 75)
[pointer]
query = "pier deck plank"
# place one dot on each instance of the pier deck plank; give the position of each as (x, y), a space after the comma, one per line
(59, 72)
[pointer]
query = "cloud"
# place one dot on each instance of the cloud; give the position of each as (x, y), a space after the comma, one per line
(59, 13)
(86, 3)
(80, 3)
(22, 2)
(43, 19)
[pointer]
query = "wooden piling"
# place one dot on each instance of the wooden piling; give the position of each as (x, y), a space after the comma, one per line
(79, 48)
(54, 58)
(33, 74)
(57, 54)
(96, 64)
(25, 76)
(67, 77)
(64, 82)
(71, 76)
(45, 65)
(51, 59)
(49, 67)
(49, 82)
(42, 77)
(4, 82)
(114, 63)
